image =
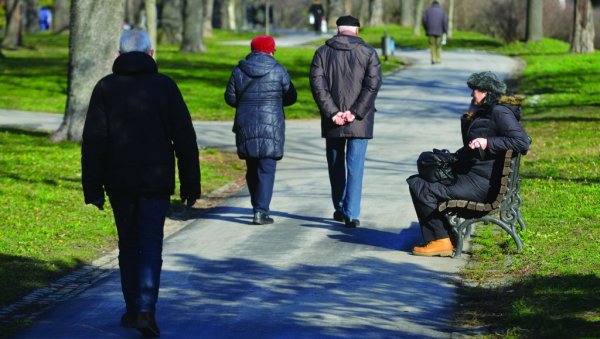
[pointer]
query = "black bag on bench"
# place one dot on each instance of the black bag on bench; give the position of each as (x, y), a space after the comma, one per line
(436, 166)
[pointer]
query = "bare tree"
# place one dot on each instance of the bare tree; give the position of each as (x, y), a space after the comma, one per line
(32, 17)
(583, 28)
(150, 6)
(60, 16)
(376, 13)
(208, 18)
(193, 14)
(418, 15)
(450, 18)
(13, 36)
(93, 44)
(336, 10)
(171, 22)
(535, 27)
(407, 12)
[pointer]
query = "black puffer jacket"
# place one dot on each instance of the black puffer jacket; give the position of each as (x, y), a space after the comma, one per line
(258, 88)
(136, 123)
(346, 75)
(499, 124)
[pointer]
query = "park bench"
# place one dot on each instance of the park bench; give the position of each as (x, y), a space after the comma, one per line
(504, 211)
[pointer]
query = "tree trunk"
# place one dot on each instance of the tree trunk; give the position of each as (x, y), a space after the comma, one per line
(171, 22)
(133, 12)
(13, 37)
(418, 15)
(535, 27)
(231, 17)
(192, 27)
(208, 18)
(583, 30)
(407, 12)
(450, 18)
(32, 17)
(150, 6)
(376, 13)
(60, 16)
(93, 46)
(348, 6)
(336, 10)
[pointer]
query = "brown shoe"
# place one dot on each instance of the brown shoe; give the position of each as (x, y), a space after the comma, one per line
(441, 247)
(147, 325)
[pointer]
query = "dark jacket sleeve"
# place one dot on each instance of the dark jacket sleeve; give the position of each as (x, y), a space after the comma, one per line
(511, 134)
(320, 88)
(230, 92)
(289, 94)
(185, 145)
(370, 87)
(93, 148)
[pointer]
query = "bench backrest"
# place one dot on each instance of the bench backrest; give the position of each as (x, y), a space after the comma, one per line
(508, 184)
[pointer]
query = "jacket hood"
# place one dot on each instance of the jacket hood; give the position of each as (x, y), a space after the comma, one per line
(513, 103)
(344, 42)
(257, 64)
(134, 63)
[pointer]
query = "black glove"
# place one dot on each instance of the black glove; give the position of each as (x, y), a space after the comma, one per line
(99, 203)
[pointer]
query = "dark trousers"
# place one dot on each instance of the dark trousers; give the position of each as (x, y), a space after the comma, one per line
(260, 177)
(426, 197)
(140, 223)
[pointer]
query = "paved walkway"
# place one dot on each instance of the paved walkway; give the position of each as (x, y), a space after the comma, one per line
(306, 276)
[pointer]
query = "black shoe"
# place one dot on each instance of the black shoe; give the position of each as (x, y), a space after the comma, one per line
(261, 219)
(338, 216)
(128, 320)
(352, 223)
(146, 324)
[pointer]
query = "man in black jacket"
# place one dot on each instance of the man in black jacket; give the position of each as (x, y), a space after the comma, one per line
(435, 23)
(136, 124)
(345, 77)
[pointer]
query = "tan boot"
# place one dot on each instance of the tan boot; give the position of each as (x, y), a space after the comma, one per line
(441, 247)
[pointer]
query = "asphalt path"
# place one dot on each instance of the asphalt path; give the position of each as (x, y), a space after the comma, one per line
(305, 276)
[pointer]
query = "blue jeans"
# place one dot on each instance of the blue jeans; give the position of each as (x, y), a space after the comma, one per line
(346, 185)
(260, 177)
(140, 223)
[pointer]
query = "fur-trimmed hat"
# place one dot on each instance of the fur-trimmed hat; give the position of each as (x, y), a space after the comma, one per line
(486, 81)
(347, 20)
(263, 43)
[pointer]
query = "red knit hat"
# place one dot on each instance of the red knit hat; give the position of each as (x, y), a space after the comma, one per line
(263, 43)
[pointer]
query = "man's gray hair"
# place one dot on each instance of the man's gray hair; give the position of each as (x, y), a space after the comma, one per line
(135, 40)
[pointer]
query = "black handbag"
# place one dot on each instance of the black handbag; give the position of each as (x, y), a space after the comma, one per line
(436, 166)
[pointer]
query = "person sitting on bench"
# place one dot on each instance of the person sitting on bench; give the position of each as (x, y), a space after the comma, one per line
(489, 129)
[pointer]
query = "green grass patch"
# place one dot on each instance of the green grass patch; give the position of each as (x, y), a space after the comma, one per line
(35, 78)
(46, 228)
(551, 290)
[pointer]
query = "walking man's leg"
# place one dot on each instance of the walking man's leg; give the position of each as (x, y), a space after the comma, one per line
(336, 163)
(355, 160)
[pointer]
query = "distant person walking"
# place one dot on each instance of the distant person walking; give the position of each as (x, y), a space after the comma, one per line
(318, 13)
(258, 88)
(435, 23)
(345, 77)
(137, 124)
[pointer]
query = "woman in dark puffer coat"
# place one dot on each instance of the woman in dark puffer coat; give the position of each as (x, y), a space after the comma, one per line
(489, 129)
(259, 88)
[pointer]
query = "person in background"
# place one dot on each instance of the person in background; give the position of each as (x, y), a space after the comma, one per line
(345, 77)
(489, 129)
(137, 125)
(435, 23)
(259, 88)
(318, 14)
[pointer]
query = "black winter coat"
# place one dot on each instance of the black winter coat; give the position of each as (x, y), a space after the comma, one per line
(136, 123)
(258, 88)
(346, 75)
(499, 124)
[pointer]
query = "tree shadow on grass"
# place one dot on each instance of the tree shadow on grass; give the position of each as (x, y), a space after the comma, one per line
(559, 306)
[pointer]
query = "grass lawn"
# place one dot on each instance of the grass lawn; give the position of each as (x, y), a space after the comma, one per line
(552, 289)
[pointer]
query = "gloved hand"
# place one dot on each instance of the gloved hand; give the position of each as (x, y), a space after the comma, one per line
(99, 203)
